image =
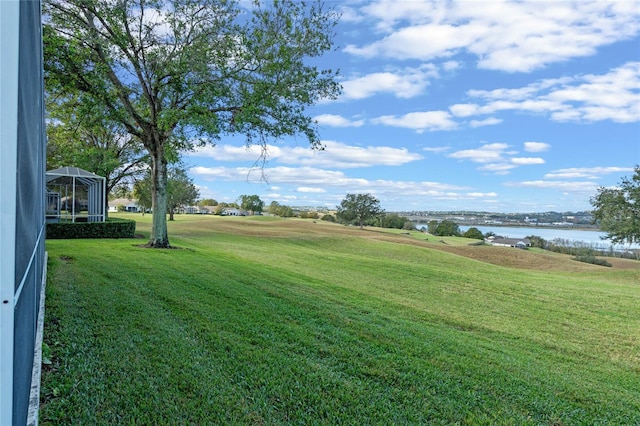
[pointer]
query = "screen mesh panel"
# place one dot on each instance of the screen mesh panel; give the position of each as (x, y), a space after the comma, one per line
(30, 198)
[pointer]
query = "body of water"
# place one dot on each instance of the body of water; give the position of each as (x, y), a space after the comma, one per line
(549, 234)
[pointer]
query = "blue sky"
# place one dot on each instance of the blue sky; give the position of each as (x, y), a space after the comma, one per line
(476, 105)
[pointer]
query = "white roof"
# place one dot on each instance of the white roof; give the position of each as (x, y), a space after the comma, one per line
(73, 172)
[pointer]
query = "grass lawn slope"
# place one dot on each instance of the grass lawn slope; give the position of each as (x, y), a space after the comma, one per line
(270, 321)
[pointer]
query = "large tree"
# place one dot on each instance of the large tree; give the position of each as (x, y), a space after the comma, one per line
(176, 73)
(251, 203)
(359, 208)
(617, 210)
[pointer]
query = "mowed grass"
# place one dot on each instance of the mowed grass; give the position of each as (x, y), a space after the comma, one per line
(272, 321)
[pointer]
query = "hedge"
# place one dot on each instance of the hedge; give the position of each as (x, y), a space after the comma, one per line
(586, 258)
(112, 228)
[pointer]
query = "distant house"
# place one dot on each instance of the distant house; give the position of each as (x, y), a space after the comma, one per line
(209, 209)
(232, 212)
(128, 205)
(194, 210)
(508, 242)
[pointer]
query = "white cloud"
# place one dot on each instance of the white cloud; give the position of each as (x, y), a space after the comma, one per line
(492, 121)
(333, 120)
(338, 155)
(451, 66)
(482, 194)
(404, 84)
(496, 158)
(231, 152)
(536, 146)
(485, 154)
(423, 42)
(436, 149)
(335, 155)
(308, 179)
(464, 110)
(419, 121)
(510, 36)
(612, 96)
(498, 168)
(585, 172)
(308, 189)
(527, 160)
(568, 186)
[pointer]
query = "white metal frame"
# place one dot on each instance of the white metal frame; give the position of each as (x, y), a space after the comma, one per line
(96, 188)
(9, 42)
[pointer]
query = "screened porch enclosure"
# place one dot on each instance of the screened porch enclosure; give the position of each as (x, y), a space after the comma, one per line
(75, 195)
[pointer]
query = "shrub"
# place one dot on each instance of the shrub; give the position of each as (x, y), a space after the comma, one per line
(473, 233)
(409, 226)
(328, 218)
(587, 258)
(112, 228)
(445, 228)
(537, 241)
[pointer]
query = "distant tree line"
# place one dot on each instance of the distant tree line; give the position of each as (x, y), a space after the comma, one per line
(364, 210)
(580, 248)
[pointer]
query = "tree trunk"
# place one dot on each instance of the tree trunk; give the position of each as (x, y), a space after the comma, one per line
(106, 205)
(159, 235)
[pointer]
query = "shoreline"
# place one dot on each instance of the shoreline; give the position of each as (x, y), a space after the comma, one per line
(580, 227)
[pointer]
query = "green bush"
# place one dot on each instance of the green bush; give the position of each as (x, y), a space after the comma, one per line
(328, 218)
(112, 228)
(586, 258)
(473, 233)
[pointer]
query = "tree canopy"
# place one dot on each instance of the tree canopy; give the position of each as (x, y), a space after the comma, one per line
(443, 228)
(395, 221)
(180, 73)
(278, 209)
(473, 233)
(81, 137)
(358, 208)
(617, 210)
(251, 203)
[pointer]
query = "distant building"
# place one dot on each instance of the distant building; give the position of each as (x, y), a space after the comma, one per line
(232, 212)
(508, 242)
(128, 205)
(194, 210)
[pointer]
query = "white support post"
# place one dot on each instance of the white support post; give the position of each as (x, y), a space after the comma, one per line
(103, 197)
(73, 200)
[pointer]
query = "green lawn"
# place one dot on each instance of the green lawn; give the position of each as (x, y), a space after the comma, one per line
(271, 321)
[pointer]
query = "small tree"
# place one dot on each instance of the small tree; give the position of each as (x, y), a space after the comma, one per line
(473, 233)
(445, 228)
(208, 202)
(180, 190)
(251, 203)
(617, 210)
(328, 218)
(432, 227)
(537, 241)
(278, 209)
(274, 208)
(358, 208)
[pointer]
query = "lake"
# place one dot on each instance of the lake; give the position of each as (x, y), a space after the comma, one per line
(548, 233)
